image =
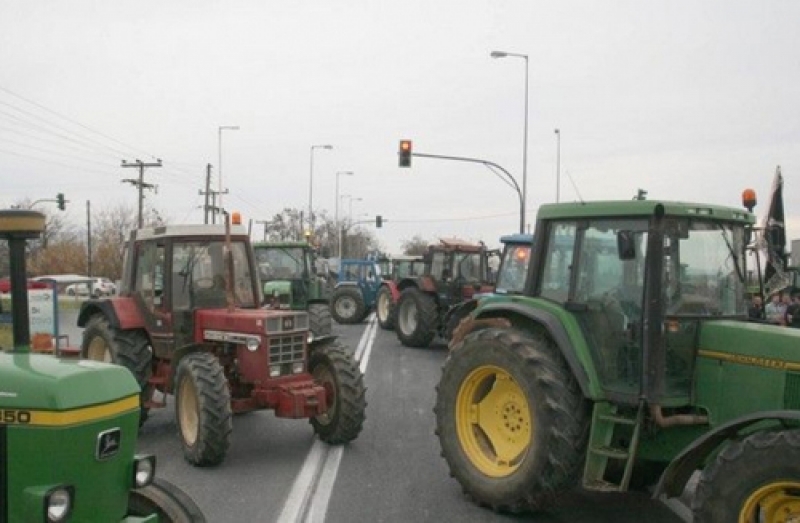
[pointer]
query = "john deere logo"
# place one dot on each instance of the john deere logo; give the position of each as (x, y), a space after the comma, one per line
(288, 324)
(108, 443)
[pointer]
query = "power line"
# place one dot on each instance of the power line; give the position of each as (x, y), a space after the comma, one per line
(140, 183)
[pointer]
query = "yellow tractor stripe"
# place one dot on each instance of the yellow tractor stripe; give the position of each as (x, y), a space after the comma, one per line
(49, 418)
(755, 361)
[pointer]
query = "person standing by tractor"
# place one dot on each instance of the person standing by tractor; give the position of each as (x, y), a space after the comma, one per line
(776, 309)
(792, 316)
(756, 309)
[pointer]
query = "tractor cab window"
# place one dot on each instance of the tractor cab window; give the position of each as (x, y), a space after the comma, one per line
(440, 266)
(199, 273)
(468, 267)
(557, 270)
(704, 273)
(149, 283)
(284, 263)
(513, 269)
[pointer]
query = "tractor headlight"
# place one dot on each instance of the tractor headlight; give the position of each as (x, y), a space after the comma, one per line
(298, 367)
(144, 469)
(252, 344)
(58, 502)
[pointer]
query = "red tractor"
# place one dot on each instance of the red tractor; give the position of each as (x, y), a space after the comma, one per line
(188, 322)
(397, 269)
(455, 271)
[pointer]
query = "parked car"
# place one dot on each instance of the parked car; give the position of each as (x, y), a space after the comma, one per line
(99, 287)
(5, 285)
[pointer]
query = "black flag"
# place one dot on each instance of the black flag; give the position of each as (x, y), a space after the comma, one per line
(775, 237)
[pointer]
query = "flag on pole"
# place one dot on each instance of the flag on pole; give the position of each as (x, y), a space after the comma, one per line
(774, 238)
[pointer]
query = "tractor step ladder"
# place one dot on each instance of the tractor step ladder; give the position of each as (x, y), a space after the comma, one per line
(602, 448)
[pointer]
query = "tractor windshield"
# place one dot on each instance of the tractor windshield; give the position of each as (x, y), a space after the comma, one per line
(513, 269)
(469, 267)
(199, 275)
(281, 263)
(703, 269)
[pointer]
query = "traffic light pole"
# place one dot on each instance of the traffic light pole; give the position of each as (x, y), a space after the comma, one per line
(511, 181)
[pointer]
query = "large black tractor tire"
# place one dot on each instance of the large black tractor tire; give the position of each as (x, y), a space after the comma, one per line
(203, 409)
(416, 318)
(347, 305)
(129, 348)
(754, 479)
(385, 308)
(319, 320)
(171, 504)
(335, 369)
(511, 420)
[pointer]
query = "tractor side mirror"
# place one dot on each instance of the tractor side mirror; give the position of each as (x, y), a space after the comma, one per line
(626, 245)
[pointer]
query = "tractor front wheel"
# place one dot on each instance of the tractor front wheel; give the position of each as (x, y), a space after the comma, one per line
(171, 504)
(347, 305)
(336, 370)
(511, 420)
(416, 318)
(752, 480)
(384, 308)
(319, 319)
(129, 348)
(203, 409)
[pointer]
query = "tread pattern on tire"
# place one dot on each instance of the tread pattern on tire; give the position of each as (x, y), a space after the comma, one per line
(214, 403)
(426, 321)
(387, 322)
(359, 311)
(350, 394)
(319, 319)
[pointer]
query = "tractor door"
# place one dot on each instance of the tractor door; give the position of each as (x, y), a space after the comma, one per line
(149, 294)
(586, 269)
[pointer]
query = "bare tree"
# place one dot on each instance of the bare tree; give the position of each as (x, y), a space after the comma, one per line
(416, 246)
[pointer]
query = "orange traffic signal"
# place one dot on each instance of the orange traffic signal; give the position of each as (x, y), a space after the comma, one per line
(405, 153)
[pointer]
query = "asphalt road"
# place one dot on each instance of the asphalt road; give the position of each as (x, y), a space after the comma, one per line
(277, 471)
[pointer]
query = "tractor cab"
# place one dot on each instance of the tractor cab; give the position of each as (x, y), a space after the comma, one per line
(459, 269)
(284, 270)
(640, 286)
(514, 263)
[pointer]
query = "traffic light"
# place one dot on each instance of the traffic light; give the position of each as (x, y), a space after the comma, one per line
(405, 153)
(379, 221)
(62, 204)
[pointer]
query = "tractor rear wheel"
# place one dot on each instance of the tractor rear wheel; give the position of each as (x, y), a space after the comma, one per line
(336, 370)
(416, 318)
(170, 503)
(129, 348)
(319, 319)
(347, 305)
(203, 409)
(752, 480)
(511, 420)
(384, 308)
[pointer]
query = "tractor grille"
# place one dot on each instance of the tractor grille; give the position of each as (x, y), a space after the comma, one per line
(791, 394)
(286, 349)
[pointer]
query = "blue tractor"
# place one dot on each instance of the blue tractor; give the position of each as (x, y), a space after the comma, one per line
(356, 290)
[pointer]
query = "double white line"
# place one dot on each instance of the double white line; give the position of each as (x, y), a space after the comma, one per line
(307, 502)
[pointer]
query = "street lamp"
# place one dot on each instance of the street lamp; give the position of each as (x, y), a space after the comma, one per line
(311, 184)
(336, 218)
(219, 149)
(558, 165)
(503, 54)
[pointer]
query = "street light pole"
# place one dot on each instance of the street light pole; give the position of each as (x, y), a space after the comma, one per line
(219, 150)
(558, 165)
(336, 218)
(503, 54)
(311, 186)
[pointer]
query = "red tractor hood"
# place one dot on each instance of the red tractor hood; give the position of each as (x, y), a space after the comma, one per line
(247, 321)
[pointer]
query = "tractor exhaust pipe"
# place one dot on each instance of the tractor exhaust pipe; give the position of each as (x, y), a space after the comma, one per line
(662, 421)
(228, 265)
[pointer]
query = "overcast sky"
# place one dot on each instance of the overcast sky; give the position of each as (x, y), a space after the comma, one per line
(690, 100)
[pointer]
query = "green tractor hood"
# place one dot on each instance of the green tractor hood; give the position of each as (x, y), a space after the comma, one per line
(45, 383)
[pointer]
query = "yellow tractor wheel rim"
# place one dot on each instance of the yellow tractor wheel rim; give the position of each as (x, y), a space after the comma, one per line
(773, 503)
(98, 350)
(493, 421)
(189, 419)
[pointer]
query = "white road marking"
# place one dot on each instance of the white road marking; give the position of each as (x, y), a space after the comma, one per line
(307, 502)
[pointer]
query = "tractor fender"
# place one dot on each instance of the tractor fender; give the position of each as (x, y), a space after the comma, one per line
(425, 283)
(554, 328)
(346, 284)
(122, 313)
(393, 288)
(676, 475)
(321, 340)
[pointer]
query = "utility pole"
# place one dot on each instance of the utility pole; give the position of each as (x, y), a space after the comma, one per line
(89, 238)
(206, 193)
(140, 182)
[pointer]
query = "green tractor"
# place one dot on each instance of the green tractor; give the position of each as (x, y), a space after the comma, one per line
(294, 278)
(626, 357)
(68, 427)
